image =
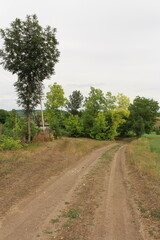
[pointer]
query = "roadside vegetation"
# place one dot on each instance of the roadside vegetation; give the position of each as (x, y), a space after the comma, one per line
(98, 116)
(143, 157)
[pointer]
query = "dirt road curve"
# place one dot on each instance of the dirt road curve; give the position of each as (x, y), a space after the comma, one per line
(115, 219)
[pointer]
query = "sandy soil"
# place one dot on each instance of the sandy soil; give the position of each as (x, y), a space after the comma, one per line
(114, 219)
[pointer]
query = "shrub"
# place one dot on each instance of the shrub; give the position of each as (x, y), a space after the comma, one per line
(8, 143)
(74, 126)
(42, 137)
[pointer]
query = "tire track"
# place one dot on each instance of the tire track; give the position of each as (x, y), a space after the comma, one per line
(116, 219)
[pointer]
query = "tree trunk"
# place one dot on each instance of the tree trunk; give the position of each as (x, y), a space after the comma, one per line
(29, 126)
(42, 115)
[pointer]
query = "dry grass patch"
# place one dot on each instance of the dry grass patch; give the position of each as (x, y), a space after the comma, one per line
(144, 166)
(145, 161)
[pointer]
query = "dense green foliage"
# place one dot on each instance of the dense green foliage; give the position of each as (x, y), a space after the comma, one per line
(98, 118)
(143, 114)
(54, 104)
(30, 52)
(75, 102)
(8, 143)
(16, 127)
(3, 115)
(101, 117)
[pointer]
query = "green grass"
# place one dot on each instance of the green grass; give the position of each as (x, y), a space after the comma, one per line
(144, 154)
(155, 213)
(47, 232)
(72, 213)
(107, 154)
(151, 135)
(56, 220)
(154, 141)
(67, 224)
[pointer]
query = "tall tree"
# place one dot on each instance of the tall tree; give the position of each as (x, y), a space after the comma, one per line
(110, 102)
(75, 102)
(30, 52)
(3, 115)
(54, 104)
(123, 101)
(143, 113)
(94, 104)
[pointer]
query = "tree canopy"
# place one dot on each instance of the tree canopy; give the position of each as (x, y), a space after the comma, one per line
(30, 52)
(143, 113)
(54, 104)
(75, 102)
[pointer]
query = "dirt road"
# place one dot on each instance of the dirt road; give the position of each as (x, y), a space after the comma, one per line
(115, 219)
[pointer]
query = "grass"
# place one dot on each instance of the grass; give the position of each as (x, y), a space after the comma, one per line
(47, 232)
(72, 213)
(107, 155)
(54, 220)
(155, 213)
(67, 224)
(144, 155)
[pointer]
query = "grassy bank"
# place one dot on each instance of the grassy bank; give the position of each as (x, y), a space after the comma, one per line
(143, 158)
(144, 155)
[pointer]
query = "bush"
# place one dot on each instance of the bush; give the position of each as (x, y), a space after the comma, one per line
(8, 143)
(74, 126)
(43, 137)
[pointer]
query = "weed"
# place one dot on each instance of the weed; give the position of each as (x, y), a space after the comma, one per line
(66, 203)
(67, 224)
(47, 232)
(72, 213)
(150, 233)
(143, 210)
(56, 220)
(155, 213)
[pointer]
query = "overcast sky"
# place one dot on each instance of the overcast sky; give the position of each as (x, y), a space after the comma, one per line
(109, 44)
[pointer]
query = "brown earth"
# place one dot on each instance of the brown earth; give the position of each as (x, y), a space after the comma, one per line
(83, 197)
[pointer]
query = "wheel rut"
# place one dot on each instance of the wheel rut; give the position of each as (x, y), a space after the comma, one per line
(117, 219)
